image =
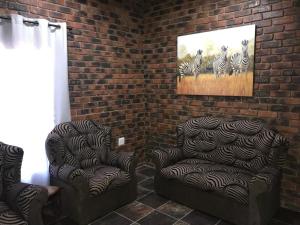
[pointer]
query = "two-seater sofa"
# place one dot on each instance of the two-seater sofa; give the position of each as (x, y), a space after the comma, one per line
(229, 169)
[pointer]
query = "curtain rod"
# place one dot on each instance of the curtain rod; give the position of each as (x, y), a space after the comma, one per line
(34, 22)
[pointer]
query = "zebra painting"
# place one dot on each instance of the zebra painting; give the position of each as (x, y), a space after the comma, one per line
(206, 62)
(192, 66)
(219, 64)
(239, 63)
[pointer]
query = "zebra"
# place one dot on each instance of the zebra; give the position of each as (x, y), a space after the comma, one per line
(191, 66)
(239, 63)
(219, 63)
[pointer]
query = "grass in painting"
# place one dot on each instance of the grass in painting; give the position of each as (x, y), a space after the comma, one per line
(208, 84)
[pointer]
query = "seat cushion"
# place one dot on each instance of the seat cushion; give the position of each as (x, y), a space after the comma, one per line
(7, 216)
(225, 180)
(1, 170)
(102, 178)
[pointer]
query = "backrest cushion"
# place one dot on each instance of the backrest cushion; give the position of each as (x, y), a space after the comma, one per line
(10, 165)
(82, 144)
(242, 143)
(1, 168)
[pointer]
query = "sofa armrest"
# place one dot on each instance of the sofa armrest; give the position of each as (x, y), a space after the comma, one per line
(71, 176)
(124, 160)
(165, 157)
(28, 200)
(264, 181)
(264, 199)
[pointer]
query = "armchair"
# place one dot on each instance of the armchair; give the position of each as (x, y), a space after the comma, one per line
(93, 178)
(20, 203)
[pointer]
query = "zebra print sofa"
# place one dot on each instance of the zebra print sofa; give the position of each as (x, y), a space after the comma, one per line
(20, 203)
(230, 169)
(94, 179)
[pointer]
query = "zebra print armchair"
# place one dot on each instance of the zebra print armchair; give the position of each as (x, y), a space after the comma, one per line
(230, 169)
(20, 203)
(93, 178)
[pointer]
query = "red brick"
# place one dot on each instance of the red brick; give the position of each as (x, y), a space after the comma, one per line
(273, 14)
(280, 93)
(271, 59)
(266, 37)
(283, 20)
(267, 114)
(282, 5)
(273, 29)
(263, 23)
(226, 16)
(261, 9)
(290, 42)
(282, 50)
(284, 35)
(248, 112)
(242, 13)
(291, 11)
(251, 18)
(282, 65)
(262, 66)
(48, 6)
(28, 2)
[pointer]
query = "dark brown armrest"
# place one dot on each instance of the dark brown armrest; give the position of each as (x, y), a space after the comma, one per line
(124, 160)
(165, 157)
(70, 175)
(28, 200)
(264, 181)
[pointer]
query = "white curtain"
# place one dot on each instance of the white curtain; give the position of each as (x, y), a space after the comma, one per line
(33, 89)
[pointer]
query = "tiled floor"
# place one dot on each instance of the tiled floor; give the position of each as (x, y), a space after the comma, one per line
(152, 209)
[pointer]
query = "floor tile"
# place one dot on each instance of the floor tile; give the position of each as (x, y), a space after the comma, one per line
(174, 209)
(149, 183)
(147, 171)
(288, 216)
(153, 200)
(156, 218)
(278, 222)
(141, 167)
(140, 177)
(180, 222)
(112, 219)
(65, 221)
(199, 218)
(142, 192)
(224, 223)
(135, 210)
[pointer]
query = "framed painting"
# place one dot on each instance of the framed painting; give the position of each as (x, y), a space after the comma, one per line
(218, 62)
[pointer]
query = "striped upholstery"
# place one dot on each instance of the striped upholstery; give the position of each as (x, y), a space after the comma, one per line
(224, 157)
(20, 203)
(1, 172)
(165, 157)
(82, 144)
(94, 180)
(102, 178)
(81, 150)
(210, 176)
(8, 216)
(11, 157)
(244, 144)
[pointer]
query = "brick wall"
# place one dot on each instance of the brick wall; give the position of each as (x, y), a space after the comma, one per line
(122, 67)
(277, 82)
(105, 63)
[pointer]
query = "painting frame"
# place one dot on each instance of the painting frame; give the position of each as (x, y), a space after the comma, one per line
(217, 63)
